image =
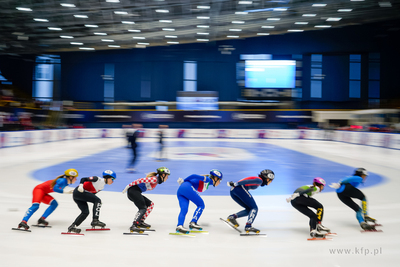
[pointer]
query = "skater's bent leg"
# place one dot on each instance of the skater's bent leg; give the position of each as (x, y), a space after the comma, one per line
(50, 209)
(31, 211)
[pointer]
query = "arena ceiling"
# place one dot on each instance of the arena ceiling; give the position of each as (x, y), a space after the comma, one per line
(43, 26)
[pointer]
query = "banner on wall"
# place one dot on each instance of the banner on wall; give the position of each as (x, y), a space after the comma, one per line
(190, 116)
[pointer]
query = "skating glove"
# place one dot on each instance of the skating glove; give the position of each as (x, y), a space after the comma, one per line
(126, 189)
(335, 185)
(292, 197)
(180, 181)
(231, 184)
(68, 190)
(80, 188)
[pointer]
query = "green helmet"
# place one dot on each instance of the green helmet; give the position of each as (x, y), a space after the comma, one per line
(162, 170)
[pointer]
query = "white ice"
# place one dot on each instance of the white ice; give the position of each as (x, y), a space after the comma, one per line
(287, 230)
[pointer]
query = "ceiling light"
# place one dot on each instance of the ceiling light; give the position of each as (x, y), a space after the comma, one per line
(162, 11)
(357, 0)
(235, 30)
(127, 22)
(66, 36)
(143, 43)
(263, 33)
(238, 22)
(100, 33)
(168, 29)
(301, 22)
(171, 36)
(245, 2)
(203, 17)
(120, 12)
(203, 33)
(165, 21)
(54, 29)
(74, 43)
(280, 9)
(91, 26)
(81, 16)
(203, 26)
(333, 19)
(232, 36)
(86, 48)
(41, 20)
(295, 30)
(23, 8)
(273, 19)
(134, 31)
(114, 46)
(112, 1)
(322, 26)
(141, 38)
(203, 40)
(345, 10)
(203, 7)
(309, 15)
(267, 27)
(67, 5)
(172, 42)
(241, 13)
(385, 4)
(107, 40)
(318, 5)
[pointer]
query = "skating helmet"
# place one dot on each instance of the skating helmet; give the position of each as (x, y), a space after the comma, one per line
(71, 172)
(266, 174)
(216, 173)
(162, 170)
(360, 171)
(109, 174)
(319, 181)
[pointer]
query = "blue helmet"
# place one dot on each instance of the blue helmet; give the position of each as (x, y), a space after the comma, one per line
(109, 174)
(216, 173)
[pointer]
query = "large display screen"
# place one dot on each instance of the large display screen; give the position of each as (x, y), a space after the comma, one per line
(270, 73)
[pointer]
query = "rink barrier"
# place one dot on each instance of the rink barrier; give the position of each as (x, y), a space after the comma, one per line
(21, 138)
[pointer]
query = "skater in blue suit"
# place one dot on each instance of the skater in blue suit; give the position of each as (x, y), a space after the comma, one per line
(347, 189)
(241, 195)
(189, 190)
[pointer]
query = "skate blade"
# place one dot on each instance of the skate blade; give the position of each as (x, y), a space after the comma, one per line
(70, 233)
(198, 232)
(21, 229)
(254, 234)
(98, 229)
(136, 233)
(230, 225)
(182, 234)
(373, 230)
(41, 225)
(319, 239)
(331, 234)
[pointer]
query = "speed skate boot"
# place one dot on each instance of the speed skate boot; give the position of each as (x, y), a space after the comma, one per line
(232, 220)
(316, 234)
(250, 228)
(367, 227)
(72, 229)
(369, 219)
(96, 222)
(193, 225)
(321, 228)
(142, 224)
(42, 221)
(24, 225)
(135, 228)
(182, 230)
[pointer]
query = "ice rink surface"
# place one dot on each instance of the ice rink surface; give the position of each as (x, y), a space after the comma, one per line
(294, 163)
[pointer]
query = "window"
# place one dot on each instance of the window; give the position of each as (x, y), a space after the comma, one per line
(190, 76)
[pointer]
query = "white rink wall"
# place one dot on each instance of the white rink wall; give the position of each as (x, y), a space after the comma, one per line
(20, 138)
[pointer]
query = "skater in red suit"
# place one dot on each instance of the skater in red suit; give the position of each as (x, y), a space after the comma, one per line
(41, 195)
